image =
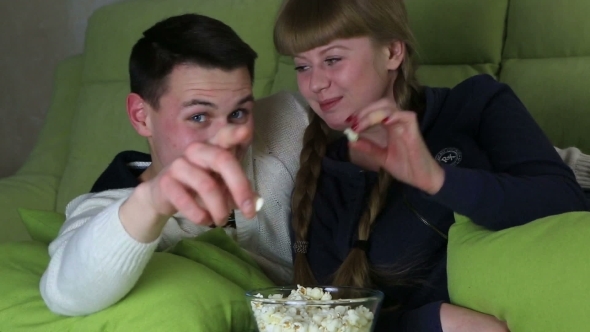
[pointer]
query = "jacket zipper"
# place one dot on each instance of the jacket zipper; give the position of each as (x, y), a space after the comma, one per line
(444, 236)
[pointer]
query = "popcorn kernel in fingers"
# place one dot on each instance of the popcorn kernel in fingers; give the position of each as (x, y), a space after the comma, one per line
(351, 135)
(259, 203)
(380, 116)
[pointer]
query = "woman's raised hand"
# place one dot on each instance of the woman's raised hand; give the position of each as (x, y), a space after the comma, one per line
(391, 138)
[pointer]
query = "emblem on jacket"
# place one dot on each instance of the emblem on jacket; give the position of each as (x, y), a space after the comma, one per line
(449, 156)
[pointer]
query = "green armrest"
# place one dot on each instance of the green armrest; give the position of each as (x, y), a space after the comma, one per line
(35, 184)
(23, 191)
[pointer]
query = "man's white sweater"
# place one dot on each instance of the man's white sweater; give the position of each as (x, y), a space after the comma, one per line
(94, 262)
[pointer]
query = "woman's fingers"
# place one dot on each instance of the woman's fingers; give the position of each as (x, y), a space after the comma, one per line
(397, 122)
(372, 115)
(371, 119)
(370, 149)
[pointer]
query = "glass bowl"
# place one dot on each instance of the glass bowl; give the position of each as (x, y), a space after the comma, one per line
(310, 309)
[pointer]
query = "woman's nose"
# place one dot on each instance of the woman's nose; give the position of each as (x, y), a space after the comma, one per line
(318, 80)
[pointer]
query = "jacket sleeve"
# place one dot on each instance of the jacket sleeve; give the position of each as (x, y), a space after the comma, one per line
(528, 179)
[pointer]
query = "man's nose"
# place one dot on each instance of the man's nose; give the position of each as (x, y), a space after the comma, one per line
(318, 81)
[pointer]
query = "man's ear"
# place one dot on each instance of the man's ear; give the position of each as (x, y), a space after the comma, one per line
(396, 51)
(138, 113)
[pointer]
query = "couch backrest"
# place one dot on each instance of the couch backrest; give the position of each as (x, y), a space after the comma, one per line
(457, 39)
(100, 127)
(546, 61)
(539, 47)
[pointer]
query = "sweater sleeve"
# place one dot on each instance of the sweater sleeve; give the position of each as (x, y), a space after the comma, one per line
(94, 262)
(579, 163)
(281, 122)
(528, 179)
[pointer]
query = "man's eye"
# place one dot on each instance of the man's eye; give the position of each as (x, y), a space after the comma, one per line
(199, 118)
(240, 114)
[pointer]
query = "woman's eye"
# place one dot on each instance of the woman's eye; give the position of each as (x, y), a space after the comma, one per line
(240, 114)
(301, 68)
(199, 118)
(332, 61)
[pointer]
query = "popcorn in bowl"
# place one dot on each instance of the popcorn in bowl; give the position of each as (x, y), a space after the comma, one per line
(312, 309)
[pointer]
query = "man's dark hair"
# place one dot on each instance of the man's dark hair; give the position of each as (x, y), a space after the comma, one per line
(185, 39)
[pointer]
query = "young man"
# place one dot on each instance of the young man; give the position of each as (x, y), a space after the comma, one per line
(191, 97)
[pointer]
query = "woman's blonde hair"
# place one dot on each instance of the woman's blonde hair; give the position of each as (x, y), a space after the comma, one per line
(306, 24)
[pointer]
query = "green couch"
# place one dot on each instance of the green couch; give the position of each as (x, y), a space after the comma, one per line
(539, 47)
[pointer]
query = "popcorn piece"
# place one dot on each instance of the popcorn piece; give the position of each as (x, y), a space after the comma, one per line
(326, 297)
(333, 324)
(259, 204)
(351, 135)
(316, 293)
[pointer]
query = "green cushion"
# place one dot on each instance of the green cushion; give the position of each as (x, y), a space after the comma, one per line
(457, 39)
(458, 31)
(50, 153)
(193, 289)
(547, 63)
(101, 130)
(535, 276)
(35, 184)
(221, 254)
(43, 226)
(547, 29)
(32, 191)
(555, 91)
(451, 75)
(285, 79)
(123, 23)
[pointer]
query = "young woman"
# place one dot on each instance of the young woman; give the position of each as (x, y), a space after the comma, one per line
(376, 212)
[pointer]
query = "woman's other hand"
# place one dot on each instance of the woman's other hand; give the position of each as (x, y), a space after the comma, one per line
(458, 319)
(390, 138)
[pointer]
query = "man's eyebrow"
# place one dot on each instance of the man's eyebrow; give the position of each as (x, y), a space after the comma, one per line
(206, 103)
(199, 102)
(246, 99)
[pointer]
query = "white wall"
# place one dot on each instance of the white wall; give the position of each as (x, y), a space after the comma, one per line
(34, 36)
